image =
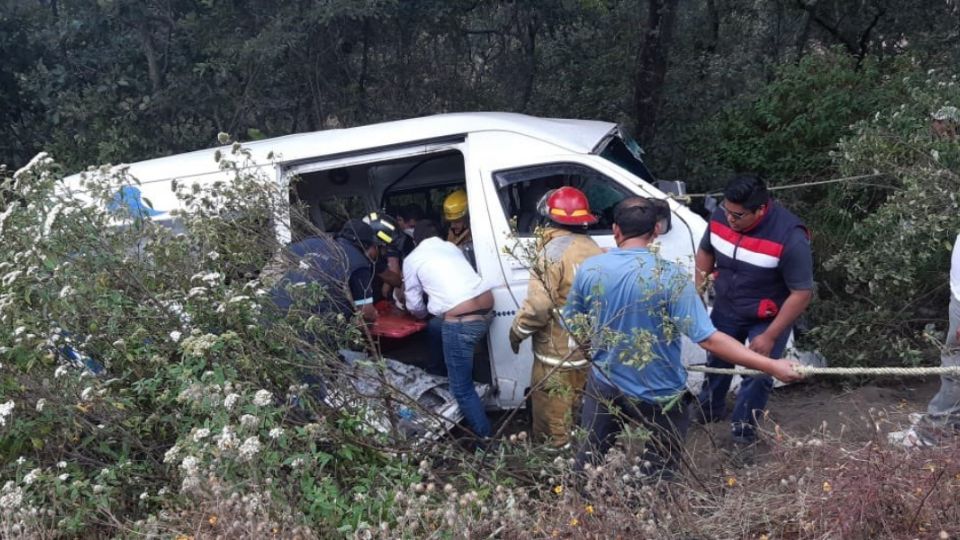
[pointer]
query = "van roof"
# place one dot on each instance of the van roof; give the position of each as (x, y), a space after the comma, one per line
(579, 136)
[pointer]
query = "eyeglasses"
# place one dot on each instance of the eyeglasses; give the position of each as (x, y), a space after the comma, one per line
(737, 216)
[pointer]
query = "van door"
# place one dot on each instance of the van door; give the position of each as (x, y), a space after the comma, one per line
(512, 191)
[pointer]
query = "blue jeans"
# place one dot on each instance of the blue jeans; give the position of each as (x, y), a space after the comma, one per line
(459, 342)
(754, 391)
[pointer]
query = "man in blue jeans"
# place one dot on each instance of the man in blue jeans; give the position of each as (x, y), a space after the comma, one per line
(458, 297)
(631, 307)
(759, 255)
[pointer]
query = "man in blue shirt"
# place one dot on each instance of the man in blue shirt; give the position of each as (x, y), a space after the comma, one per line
(631, 306)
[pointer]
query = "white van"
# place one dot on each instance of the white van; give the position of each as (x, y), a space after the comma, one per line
(505, 162)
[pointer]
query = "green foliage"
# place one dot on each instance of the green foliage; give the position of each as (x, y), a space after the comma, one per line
(788, 127)
(887, 277)
(144, 377)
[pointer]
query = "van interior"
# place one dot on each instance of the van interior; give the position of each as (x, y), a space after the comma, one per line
(332, 196)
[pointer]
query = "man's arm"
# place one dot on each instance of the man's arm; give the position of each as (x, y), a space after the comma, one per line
(706, 262)
(413, 291)
(534, 314)
(796, 265)
(361, 290)
(733, 351)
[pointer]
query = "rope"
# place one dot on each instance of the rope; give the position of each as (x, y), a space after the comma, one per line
(843, 371)
(793, 186)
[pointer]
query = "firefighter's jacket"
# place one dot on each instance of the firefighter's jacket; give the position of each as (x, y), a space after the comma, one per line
(559, 255)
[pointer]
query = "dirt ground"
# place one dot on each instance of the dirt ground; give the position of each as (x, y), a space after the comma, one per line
(852, 414)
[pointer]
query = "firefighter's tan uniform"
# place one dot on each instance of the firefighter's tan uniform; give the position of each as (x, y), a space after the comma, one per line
(553, 397)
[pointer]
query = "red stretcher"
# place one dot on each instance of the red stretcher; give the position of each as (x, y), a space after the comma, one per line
(394, 323)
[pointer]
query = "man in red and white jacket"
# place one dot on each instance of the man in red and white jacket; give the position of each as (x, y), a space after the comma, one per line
(759, 255)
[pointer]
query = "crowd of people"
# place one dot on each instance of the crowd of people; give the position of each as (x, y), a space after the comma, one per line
(605, 324)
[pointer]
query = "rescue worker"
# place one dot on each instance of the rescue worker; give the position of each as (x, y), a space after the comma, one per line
(559, 371)
(630, 295)
(456, 215)
(764, 281)
(389, 237)
(458, 297)
(342, 265)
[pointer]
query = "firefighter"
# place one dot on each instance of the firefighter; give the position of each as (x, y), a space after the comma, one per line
(455, 214)
(559, 371)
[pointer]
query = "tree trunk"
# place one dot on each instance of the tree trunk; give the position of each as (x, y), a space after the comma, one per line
(652, 66)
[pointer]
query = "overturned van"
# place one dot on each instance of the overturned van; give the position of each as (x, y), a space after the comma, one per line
(506, 162)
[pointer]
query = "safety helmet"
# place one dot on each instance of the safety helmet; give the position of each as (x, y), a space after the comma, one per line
(357, 233)
(567, 206)
(455, 205)
(385, 228)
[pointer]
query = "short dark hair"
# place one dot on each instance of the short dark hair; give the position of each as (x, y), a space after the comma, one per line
(410, 211)
(636, 216)
(748, 190)
(423, 230)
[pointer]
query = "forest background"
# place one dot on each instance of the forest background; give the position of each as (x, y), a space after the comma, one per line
(801, 91)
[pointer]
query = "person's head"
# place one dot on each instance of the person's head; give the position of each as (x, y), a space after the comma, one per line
(568, 207)
(409, 215)
(386, 231)
(635, 218)
(424, 229)
(455, 211)
(945, 122)
(745, 200)
(361, 235)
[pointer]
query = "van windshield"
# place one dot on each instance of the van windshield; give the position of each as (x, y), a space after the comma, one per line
(625, 152)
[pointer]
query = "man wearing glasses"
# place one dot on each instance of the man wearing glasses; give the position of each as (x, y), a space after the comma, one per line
(758, 254)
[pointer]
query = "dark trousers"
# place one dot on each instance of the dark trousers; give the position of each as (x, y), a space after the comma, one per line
(754, 391)
(606, 410)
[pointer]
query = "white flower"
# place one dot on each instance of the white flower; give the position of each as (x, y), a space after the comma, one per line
(63, 477)
(249, 421)
(11, 498)
(40, 403)
(213, 255)
(262, 398)
(226, 440)
(297, 463)
(144, 496)
(249, 448)
(31, 476)
(97, 488)
(175, 336)
(61, 464)
(230, 401)
(5, 410)
(171, 454)
(21, 460)
(189, 465)
(276, 433)
(66, 291)
(200, 434)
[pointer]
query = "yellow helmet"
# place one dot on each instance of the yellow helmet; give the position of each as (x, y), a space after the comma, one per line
(455, 205)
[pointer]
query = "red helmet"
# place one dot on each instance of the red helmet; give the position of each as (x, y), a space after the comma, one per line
(567, 206)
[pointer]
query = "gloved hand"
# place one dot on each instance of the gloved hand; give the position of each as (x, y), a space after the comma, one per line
(515, 340)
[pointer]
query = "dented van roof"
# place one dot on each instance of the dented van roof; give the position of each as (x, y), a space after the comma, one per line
(580, 136)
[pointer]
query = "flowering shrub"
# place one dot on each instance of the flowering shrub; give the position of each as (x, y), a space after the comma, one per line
(144, 375)
(886, 272)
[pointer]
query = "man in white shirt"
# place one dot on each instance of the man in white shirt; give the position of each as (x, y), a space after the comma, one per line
(459, 298)
(943, 411)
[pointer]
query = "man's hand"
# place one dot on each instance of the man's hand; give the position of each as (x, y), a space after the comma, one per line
(515, 342)
(762, 344)
(785, 371)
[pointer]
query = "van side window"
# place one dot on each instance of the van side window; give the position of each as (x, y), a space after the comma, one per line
(521, 189)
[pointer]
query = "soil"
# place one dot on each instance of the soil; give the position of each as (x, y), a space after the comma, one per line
(849, 413)
(852, 415)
